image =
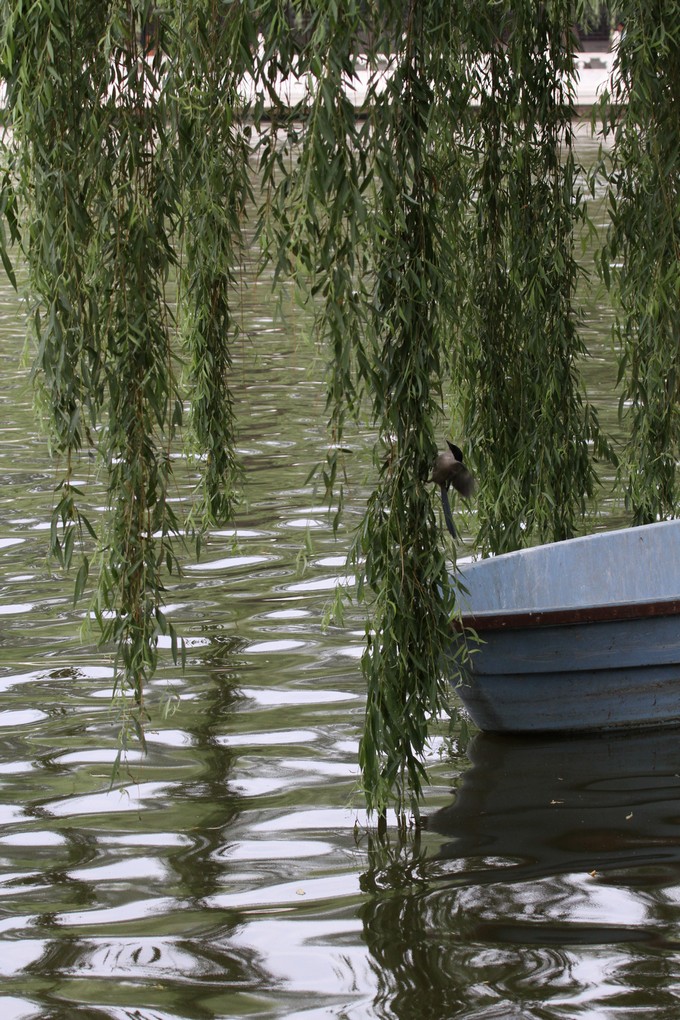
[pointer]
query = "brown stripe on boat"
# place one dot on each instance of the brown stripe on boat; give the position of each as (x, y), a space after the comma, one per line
(521, 619)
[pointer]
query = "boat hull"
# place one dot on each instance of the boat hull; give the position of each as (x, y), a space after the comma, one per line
(573, 667)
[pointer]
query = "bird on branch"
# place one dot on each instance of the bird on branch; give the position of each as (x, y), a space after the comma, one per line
(448, 470)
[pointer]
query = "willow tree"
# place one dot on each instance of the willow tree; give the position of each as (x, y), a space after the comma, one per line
(434, 234)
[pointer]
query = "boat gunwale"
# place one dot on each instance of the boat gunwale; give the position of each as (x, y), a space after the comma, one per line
(566, 616)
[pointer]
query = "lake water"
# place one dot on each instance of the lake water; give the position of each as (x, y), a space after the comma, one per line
(230, 872)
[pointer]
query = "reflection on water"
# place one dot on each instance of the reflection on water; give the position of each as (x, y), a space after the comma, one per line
(532, 808)
(554, 891)
(229, 872)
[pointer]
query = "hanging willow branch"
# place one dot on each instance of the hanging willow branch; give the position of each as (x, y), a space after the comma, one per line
(57, 130)
(97, 174)
(214, 55)
(523, 400)
(404, 562)
(359, 217)
(641, 261)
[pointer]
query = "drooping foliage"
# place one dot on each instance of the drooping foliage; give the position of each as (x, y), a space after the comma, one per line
(519, 349)
(434, 234)
(399, 544)
(213, 54)
(641, 261)
(364, 226)
(95, 169)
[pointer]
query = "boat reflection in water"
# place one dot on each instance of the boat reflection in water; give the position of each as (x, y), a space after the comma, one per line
(534, 807)
(549, 888)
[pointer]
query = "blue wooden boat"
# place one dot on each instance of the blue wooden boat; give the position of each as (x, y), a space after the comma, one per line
(579, 635)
